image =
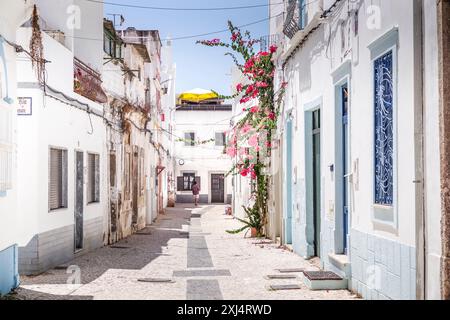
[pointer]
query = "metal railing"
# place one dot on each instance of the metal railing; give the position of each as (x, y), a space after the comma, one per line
(296, 17)
(266, 42)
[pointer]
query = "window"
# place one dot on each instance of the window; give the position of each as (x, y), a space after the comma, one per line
(384, 129)
(93, 192)
(220, 139)
(189, 138)
(111, 46)
(303, 14)
(188, 178)
(57, 185)
(127, 193)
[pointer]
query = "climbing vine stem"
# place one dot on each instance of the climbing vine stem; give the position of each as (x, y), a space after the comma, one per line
(250, 140)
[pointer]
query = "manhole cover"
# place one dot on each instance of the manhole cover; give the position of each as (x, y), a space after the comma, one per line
(156, 280)
(291, 270)
(279, 287)
(321, 275)
(280, 276)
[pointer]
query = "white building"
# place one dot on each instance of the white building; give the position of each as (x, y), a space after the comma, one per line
(12, 15)
(351, 132)
(168, 103)
(200, 131)
(62, 152)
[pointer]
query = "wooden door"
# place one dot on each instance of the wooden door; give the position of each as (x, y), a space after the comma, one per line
(217, 188)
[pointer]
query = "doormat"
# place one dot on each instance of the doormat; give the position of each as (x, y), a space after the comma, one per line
(156, 280)
(280, 276)
(291, 270)
(280, 287)
(321, 275)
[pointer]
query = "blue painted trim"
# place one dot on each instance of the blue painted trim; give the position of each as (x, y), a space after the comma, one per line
(343, 71)
(309, 207)
(9, 275)
(288, 183)
(338, 165)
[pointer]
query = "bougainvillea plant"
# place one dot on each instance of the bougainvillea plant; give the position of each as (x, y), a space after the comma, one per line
(250, 140)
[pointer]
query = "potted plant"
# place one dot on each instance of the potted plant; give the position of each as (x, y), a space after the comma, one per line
(253, 223)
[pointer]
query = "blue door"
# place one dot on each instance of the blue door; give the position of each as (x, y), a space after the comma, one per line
(288, 186)
(346, 164)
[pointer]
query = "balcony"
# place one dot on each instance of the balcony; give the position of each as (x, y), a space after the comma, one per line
(296, 17)
(271, 40)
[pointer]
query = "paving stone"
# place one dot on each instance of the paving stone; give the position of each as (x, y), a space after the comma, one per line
(112, 274)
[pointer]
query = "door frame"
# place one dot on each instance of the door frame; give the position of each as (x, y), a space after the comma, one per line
(311, 229)
(288, 183)
(75, 249)
(210, 173)
(342, 244)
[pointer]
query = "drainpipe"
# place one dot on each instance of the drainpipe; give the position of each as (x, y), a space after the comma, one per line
(444, 120)
(420, 229)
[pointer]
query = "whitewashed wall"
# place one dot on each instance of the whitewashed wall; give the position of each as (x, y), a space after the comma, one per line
(202, 159)
(54, 124)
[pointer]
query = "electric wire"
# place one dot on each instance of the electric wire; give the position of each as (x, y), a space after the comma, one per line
(182, 9)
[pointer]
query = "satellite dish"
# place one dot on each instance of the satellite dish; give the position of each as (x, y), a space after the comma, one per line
(181, 162)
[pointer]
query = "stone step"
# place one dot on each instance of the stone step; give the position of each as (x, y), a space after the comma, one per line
(280, 276)
(324, 280)
(291, 270)
(281, 287)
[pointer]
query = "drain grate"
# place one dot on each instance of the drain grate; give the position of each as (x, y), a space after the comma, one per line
(156, 280)
(280, 276)
(321, 275)
(291, 270)
(280, 287)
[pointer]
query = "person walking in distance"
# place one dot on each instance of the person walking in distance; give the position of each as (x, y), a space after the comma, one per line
(195, 192)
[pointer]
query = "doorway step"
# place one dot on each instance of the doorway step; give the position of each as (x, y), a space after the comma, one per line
(324, 280)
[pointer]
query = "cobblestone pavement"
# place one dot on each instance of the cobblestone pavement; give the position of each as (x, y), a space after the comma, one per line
(188, 246)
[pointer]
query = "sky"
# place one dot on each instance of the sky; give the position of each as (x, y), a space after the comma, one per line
(197, 66)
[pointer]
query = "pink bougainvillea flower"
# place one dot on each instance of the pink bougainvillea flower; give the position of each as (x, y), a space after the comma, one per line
(246, 129)
(253, 140)
(254, 109)
(244, 172)
(231, 152)
(263, 53)
(273, 48)
(239, 87)
(250, 89)
(261, 84)
(268, 144)
(245, 100)
(271, 116)
(253, 175)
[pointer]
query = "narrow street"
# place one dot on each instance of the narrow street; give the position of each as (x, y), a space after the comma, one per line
(189, 248)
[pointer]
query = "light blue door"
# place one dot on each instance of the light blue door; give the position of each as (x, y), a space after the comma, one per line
(288, 185)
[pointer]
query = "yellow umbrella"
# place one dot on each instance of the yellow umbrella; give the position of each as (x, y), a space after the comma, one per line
(197, 95)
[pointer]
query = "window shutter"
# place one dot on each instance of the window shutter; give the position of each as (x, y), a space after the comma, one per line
(198, 182)
(97, 178)
(93, 178)
(64, 180)
(6, 154)
(180, 182)
(55, 179)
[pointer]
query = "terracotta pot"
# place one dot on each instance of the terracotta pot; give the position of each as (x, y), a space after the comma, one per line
(253, 232)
